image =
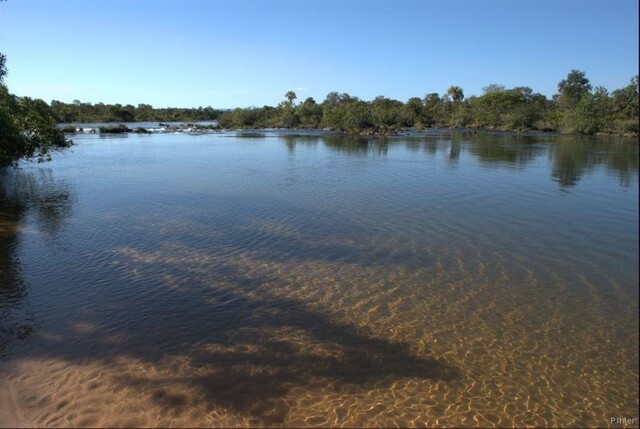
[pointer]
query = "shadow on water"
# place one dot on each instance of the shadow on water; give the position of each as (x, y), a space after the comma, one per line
(12, 288)
(246, 346)
(255, 356)
(23, 194)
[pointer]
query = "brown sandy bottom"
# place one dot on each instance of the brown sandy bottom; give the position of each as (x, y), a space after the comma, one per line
(488, 343)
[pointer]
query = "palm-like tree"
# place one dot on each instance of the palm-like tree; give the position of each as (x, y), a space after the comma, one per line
(290, 96)
(456, 94)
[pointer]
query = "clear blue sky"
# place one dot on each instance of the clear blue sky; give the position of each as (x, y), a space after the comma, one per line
(232, 53)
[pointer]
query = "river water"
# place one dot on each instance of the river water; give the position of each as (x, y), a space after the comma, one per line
(275, 278)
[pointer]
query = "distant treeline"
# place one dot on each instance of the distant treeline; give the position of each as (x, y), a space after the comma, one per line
(100, 112)
(576, 108)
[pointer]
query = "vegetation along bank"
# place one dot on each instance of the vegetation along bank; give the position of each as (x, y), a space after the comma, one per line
(28, 126)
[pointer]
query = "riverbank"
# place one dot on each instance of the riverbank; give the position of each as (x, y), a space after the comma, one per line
(212, 127)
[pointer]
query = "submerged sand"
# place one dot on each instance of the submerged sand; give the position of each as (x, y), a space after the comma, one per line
(455, 345)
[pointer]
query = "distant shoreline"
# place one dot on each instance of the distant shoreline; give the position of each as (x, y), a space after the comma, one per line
(205, 127)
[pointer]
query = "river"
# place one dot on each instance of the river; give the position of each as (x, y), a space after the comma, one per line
(274, 278)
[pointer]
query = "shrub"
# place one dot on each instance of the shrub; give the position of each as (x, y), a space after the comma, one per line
(114, 129)
(69, 129)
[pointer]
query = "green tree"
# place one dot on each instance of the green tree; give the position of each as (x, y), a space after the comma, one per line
(494, 87)
(573, 88)
(590, 115)
(288, 117)
(386, 114)
(290, 96)
(434, 110)
(310, 113)
(456, 93)
(509, 109)
(625, 100)
(27, 127)
(413, 112)
(342, 112)
(3, 67)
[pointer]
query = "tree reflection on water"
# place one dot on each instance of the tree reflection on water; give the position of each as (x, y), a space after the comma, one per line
(23, 194)
(573, 156)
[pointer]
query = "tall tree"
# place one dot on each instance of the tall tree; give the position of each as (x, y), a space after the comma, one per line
(573, 88)
(456, 94)
(290, 96)
(3, 67)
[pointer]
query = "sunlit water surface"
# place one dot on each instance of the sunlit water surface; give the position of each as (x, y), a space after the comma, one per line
(272, 279)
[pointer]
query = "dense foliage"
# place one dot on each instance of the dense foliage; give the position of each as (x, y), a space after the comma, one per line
(577, 108)
(27, 126)
(100, 112)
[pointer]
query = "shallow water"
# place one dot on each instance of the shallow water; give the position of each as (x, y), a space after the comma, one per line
(268, 278)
